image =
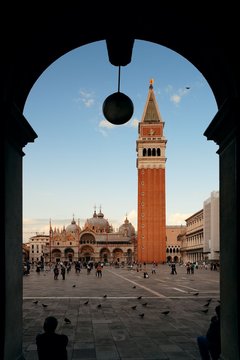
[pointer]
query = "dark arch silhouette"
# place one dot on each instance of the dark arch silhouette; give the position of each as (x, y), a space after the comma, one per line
(198, 34)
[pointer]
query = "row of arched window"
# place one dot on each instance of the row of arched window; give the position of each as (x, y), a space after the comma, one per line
(173, 250)
(151, 152)
(87, 241)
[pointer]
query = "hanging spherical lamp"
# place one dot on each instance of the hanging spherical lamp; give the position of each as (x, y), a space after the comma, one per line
(118, 107)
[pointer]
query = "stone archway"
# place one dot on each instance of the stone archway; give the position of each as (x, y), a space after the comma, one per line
(69, 254)
(129, 255)
(105, 255)
(87, 238)
(86, 254)
(118, 255)
(56, 255)
(212, 55)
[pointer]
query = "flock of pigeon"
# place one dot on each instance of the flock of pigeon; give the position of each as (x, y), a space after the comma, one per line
(134, 307)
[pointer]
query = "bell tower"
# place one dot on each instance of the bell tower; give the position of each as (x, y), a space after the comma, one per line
(151, 160)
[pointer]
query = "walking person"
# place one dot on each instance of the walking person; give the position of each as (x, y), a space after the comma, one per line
(99, 270)
(154, 268)
(56, 272)
(144, 267)
(89, 268)
(96, 266)
(192, 268)
(28, 265)
(77, 267)
(63, 271)
(69, 267)
(38, 269)
(174, 270)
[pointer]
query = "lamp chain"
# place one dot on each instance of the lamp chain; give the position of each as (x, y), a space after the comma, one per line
(119, 70)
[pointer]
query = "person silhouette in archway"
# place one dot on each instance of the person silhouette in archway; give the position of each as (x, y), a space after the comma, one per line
(51, 345)
(210, 344)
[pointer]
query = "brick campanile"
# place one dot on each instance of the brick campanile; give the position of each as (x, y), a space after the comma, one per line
(151, 145)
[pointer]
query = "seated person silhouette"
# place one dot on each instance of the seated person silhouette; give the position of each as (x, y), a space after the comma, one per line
(210, 344)
(51, 345)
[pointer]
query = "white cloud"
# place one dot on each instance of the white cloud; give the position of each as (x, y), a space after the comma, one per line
(134, 123)
(175, 99)
(86, 98)
(183, 91)
(103, 132)
(106, 124)
(177, 219)
(176, 96)
(88, 102)
(132, 217)
(168, 88)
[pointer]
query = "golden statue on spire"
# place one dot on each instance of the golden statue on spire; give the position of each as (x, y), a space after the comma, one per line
(151, 84)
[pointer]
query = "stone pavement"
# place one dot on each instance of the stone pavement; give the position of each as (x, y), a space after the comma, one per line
(116, 331)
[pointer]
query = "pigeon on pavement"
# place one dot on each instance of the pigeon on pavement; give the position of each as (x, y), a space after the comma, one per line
(67, 321)
(207, 304)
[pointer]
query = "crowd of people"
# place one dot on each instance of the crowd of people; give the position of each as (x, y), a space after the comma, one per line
(60, 268)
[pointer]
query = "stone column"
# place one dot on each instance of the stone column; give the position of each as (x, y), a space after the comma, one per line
(18, 133)
(224, 130)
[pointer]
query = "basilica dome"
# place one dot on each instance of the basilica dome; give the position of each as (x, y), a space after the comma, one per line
(127, 229)
(73, 227)
(98, 223)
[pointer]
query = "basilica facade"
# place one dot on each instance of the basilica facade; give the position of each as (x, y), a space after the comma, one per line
(95, 241)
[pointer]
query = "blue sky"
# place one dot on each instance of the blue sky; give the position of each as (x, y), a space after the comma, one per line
(79, 160)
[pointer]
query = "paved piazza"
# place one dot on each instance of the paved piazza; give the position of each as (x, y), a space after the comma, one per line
(115, 330)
